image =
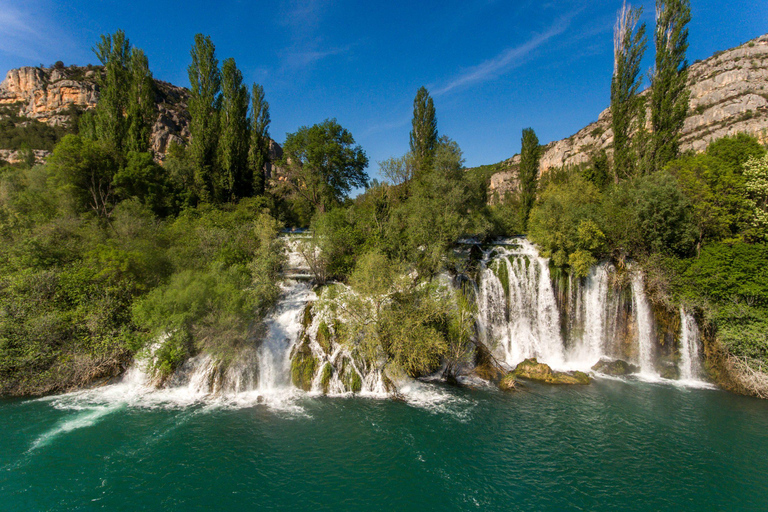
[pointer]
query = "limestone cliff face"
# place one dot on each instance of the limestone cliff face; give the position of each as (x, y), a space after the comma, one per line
(48, 94)
(729, 94)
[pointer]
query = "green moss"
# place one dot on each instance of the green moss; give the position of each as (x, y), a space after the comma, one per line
(324, 337)
(306, 320)
(499, 268)
(356, 383)
(303, 367)
(325, 378)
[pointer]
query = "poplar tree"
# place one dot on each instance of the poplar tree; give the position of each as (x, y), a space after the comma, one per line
(528, 174)
(114, 53)
(205, 82)
(258, 155)
(629, 45)
(233, 140)
(669, 91)
(424, 132)
(142, 108)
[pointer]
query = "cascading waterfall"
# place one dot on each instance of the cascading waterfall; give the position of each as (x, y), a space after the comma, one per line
(520, 317)
(575, 322)
(644, 318)
(690, 360)
(589, 329)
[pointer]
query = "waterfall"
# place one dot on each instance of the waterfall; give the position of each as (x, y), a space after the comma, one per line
(644, 319)
(690, 361)
(589, 326)
(283, 329)
(517, 308)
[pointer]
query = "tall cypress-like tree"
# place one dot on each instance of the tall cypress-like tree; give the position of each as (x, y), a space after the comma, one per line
(205, 80)
(528, 175)
(142, 108)
(424, 132)
(233, 140)
(258, 155)
(669, 90)
(629, 46)
(114, 53)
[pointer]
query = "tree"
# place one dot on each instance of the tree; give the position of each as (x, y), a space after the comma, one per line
(258, 153)
(629, 45)
(398, 170)
(142, 109)
(322, 164)
(424, 132)
(114, 53)
(528, 174)
(84, 170)
(669, 92)
(205, 81)
(233, 140)
(756, 174)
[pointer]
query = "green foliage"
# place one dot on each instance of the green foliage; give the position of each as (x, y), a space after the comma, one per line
(237, 181)
(258, 153)
(731, 273)
(629, 47)
(143, 179)
(18, 132)
(424, 132)
(205, 82)
(756, 184)
(528, 175)
(84, 170)
(114, 53)
(555, 219)
(715, 185)
(322, 165)
(598, 170)
(669, 92)
(142, 109)
(662, 216)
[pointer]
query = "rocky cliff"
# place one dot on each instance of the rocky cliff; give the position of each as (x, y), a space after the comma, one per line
(729, 94)
(52, 95)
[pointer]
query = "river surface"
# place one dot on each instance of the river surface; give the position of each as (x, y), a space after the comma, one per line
(613, 445)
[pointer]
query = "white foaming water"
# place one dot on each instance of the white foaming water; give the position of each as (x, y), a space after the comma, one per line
(525, 322)
(690, 360)
(591, 313)
(256, 376)
(644, 319)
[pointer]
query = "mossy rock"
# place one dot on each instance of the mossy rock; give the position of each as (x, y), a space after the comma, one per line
(616, 368)
(303, 367)
(324, 337)
(306, 319)
(325, 377)
(508, 383)
(531, 369)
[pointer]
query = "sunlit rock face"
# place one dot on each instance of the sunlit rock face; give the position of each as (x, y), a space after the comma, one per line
(729, 95)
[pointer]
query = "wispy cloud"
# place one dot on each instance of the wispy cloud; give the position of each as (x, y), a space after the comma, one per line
(300, 59)
(21, 35)
(506, 60)
(304, 20)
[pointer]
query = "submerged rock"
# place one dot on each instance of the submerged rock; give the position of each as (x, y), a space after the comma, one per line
(615, 367)
(531, 369)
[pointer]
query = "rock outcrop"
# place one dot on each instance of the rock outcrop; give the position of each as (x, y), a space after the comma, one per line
(729, 95)
(531, 369)
(49, 95)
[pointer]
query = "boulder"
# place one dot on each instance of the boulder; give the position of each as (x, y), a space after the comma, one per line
(615, 367)
(531, 369)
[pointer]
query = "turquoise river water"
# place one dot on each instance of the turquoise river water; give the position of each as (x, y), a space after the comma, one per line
(613, 445)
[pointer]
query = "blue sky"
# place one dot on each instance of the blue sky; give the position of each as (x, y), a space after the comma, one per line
(494, 67)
